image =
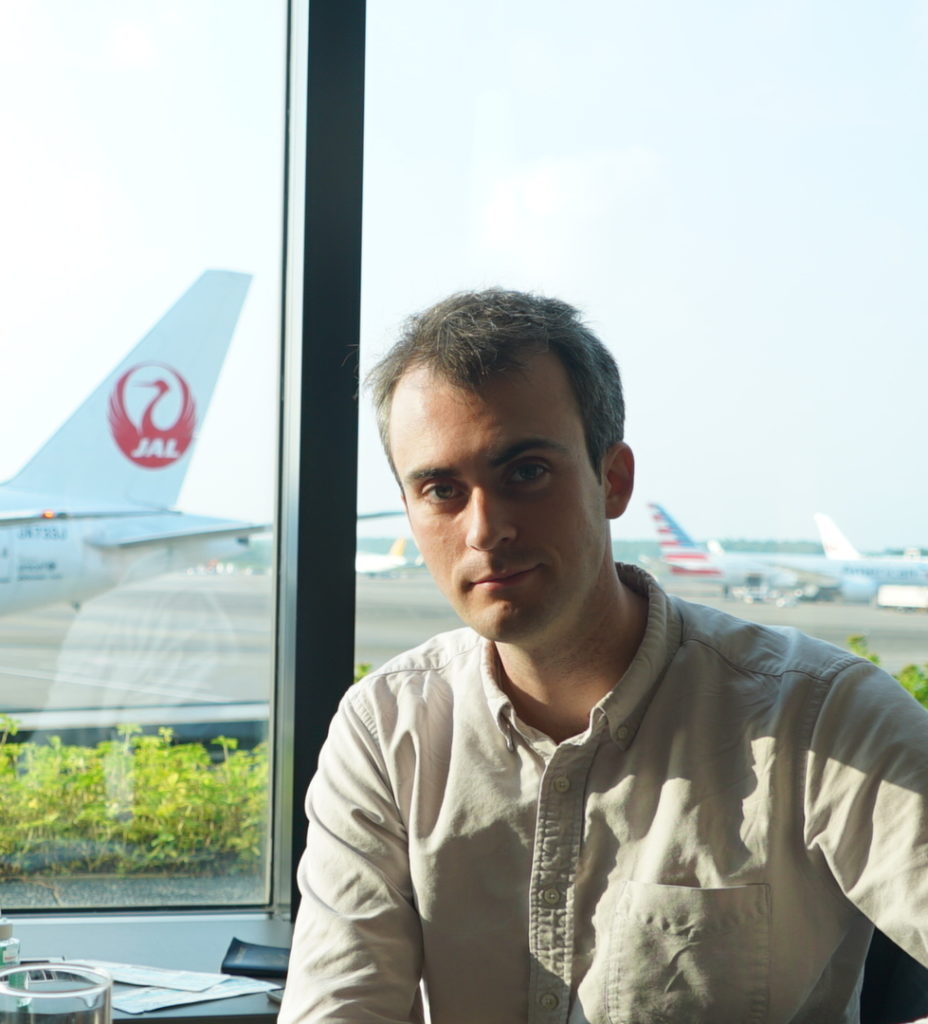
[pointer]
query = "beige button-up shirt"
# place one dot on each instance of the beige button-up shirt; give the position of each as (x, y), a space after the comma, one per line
(711, 849)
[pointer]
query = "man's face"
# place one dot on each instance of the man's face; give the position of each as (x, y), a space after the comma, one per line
(503, 501)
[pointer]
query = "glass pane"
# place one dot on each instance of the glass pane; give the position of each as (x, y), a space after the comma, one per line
(142, 205)
(734, 197)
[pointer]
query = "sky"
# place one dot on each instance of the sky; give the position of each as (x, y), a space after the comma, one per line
(143, 144)
(731, 192)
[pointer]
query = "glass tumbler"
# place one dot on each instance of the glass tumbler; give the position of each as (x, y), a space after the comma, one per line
(55, 994)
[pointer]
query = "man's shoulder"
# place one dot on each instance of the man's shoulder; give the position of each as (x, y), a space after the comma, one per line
(758, 649)
(436, 654)
(778, 677)
(446, 657)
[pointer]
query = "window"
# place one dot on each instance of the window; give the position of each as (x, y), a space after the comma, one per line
(734, 198)
(143, 190)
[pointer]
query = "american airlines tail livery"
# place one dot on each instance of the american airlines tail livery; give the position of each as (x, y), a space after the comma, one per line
(94, 506)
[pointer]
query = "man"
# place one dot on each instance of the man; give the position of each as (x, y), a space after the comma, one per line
(596, 803)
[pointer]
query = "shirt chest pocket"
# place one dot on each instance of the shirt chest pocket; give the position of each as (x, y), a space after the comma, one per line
(696, 955)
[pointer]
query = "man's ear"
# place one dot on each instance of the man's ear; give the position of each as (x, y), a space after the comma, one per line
(618, 478)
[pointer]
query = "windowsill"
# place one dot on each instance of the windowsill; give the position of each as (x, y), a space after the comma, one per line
(193, 940)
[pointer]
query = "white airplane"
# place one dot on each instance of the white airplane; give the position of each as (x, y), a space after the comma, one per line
(865, 574)
(93, 508)
(834, 543)
(843, 573)
(372, 563)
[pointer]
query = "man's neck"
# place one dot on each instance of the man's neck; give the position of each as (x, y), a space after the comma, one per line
(554, 690)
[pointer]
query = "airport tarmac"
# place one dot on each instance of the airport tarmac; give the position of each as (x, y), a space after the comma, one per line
(195, 651)
(199, 648)
(395, 614)
(200, 643)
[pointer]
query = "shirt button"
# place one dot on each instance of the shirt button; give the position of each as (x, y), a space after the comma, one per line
(551, 896)
(548, 1001)
(622, 732)
(562, 783)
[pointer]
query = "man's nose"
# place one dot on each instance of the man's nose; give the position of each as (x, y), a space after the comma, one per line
(489, 521)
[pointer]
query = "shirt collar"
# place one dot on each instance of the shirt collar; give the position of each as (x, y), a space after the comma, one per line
(625, 705)
(500, 705)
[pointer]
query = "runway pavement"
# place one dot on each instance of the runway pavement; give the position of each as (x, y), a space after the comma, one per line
(394, 614)
(199, 648)
(203, 643)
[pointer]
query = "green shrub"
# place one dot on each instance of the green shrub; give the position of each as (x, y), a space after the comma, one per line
(913, 678)
(144, 804)
(135, 804)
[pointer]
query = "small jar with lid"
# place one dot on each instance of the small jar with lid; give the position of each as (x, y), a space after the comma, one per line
(9, 944)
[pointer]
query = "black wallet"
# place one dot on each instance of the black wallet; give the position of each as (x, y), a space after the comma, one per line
(255, 961)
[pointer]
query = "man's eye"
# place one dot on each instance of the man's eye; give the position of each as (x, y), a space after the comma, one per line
(440, 492)
(528, 472)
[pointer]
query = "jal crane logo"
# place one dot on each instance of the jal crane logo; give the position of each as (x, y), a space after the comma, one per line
(152, 430)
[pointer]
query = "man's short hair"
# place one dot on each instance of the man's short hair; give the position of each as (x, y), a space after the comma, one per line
(471, 337)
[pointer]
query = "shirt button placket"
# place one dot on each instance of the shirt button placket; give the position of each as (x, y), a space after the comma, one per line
(556, 852)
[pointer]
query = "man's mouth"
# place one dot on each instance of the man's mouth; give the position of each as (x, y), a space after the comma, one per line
(502, 580)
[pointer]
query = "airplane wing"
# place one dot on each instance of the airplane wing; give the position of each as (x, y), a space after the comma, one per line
(805, 573)
(25, 517)
(163, 529)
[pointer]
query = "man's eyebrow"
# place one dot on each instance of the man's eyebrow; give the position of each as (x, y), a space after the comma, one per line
(428, 473)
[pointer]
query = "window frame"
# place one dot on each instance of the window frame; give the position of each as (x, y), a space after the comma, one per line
(319, 424)
(317, 452)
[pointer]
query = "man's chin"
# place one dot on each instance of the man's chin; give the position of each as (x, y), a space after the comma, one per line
(506, 625)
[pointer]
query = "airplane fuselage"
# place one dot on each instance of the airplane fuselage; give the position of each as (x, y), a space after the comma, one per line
(58, 560)
(854, 579)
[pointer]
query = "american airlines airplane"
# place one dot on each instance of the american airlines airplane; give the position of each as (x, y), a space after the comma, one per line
(94, 507)
(843, 572)
(685, 558)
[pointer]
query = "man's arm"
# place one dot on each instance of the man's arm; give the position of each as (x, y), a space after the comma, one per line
(866, 805)
(357, 944)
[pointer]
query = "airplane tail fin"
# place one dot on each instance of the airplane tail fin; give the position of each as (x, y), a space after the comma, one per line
(398, 548)
(131, 441)
(670, 533)
(678, 549)
(834, 542)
